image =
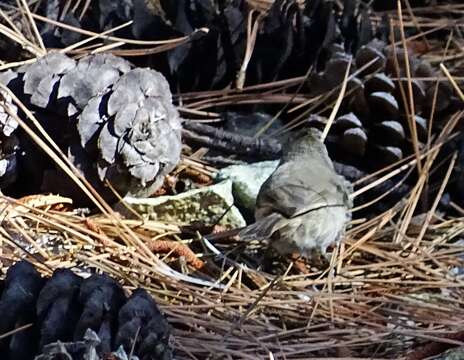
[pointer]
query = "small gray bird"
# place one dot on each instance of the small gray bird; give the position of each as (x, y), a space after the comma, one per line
(303, 207)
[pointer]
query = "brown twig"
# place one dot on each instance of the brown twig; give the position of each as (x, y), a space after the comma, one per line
(178, 249)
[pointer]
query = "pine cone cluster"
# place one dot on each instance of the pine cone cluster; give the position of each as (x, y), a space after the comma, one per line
(116, 123)
(373, 121)
(67, 308)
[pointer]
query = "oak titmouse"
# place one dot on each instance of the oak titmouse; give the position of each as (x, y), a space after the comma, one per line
(304, 205)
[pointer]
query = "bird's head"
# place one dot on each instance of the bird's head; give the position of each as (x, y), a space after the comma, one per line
(307, 139)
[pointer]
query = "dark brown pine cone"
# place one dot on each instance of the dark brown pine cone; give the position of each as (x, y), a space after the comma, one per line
(372, 120)
(78, 319)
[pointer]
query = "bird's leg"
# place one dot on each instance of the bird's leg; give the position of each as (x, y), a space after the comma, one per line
(299, 263)
(318, 258)
(265, 261)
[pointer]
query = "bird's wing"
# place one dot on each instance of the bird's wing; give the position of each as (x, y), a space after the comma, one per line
(292, 192)
(263, 228)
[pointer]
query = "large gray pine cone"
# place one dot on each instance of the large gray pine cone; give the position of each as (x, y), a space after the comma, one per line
(116, 123)
(137, 131)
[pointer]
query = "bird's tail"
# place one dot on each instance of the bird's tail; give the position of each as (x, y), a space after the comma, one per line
(263, 228)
